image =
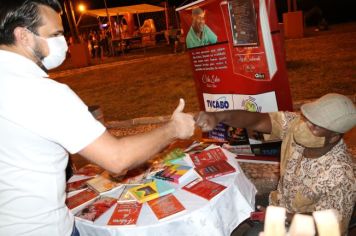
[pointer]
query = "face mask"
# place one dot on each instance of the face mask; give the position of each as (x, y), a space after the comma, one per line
(57, 47)
(304, 137)
(57, 52)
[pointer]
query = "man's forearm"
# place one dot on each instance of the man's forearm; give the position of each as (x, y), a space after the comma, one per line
(137, 149)
(245, 119)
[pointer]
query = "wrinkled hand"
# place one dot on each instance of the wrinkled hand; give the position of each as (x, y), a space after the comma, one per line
(206, 121)
(182, 123)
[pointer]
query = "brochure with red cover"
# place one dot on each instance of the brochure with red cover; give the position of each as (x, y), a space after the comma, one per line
(125, 213)
(215, 169)
(166, 206)
(94, 210)
(81, 198)
(204, 188)
(207, 157)
(211, 163)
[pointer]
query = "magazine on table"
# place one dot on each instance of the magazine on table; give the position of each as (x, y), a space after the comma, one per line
(125, 214)
(96, 209)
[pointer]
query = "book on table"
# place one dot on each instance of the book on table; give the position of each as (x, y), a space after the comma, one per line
(125, 213)
(176, 173)
(204, 188)
(77, 185)
(208, 156)
(81, 198)
(211, 163)
(151, 190)
(174, 155)
(161, 160)
(97, 208)
(103, 183)
(166, 206)
(125, 196)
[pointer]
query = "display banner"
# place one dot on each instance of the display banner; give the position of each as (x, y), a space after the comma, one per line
(237, 55)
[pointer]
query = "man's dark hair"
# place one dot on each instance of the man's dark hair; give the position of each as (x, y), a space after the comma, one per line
(22, 13)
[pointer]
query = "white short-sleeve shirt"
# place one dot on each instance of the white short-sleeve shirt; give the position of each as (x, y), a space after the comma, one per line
(41, 120)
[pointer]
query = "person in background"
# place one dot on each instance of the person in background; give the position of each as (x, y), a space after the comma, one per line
(316, 168)
(199, 33)
(42, 120)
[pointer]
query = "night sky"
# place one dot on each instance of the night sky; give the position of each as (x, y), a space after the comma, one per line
(333, 11)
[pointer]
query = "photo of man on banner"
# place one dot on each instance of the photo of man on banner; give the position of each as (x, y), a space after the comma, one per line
(199, 33)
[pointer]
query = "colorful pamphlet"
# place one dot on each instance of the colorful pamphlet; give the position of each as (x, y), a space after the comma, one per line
(174, 155)
(204, 188)
(94, 210)
(166, 206)
(151, 190)
(81, 198)
(125, 213)
(174, 173)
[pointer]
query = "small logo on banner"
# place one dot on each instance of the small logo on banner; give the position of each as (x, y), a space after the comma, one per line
(220, 103)
(250, 104)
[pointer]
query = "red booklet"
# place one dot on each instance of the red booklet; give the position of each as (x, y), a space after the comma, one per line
(204, 188)
(94, 210)
(211, 163)
(125, 213)
(166, 206)
(81, 198)
(207, 157)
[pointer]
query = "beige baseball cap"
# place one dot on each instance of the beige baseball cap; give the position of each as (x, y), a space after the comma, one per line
(332, 111)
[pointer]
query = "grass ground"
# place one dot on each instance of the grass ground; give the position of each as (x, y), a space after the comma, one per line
(319, 63)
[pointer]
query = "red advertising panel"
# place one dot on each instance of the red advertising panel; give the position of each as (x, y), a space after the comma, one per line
(237, 55)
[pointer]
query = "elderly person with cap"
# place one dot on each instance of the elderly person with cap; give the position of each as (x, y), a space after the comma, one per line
(199, 33)
(316, 168)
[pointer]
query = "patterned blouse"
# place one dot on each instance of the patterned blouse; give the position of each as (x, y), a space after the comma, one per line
(312, 184)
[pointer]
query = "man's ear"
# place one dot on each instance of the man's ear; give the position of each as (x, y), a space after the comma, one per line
(21, 36)
(335, 137)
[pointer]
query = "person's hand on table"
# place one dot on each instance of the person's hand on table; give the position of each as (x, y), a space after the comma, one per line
(206, 121)
(183, 124)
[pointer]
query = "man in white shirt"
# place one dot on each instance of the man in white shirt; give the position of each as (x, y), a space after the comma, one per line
(42, 120)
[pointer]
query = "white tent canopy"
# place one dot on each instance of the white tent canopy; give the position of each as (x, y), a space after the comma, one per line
(115, 11)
